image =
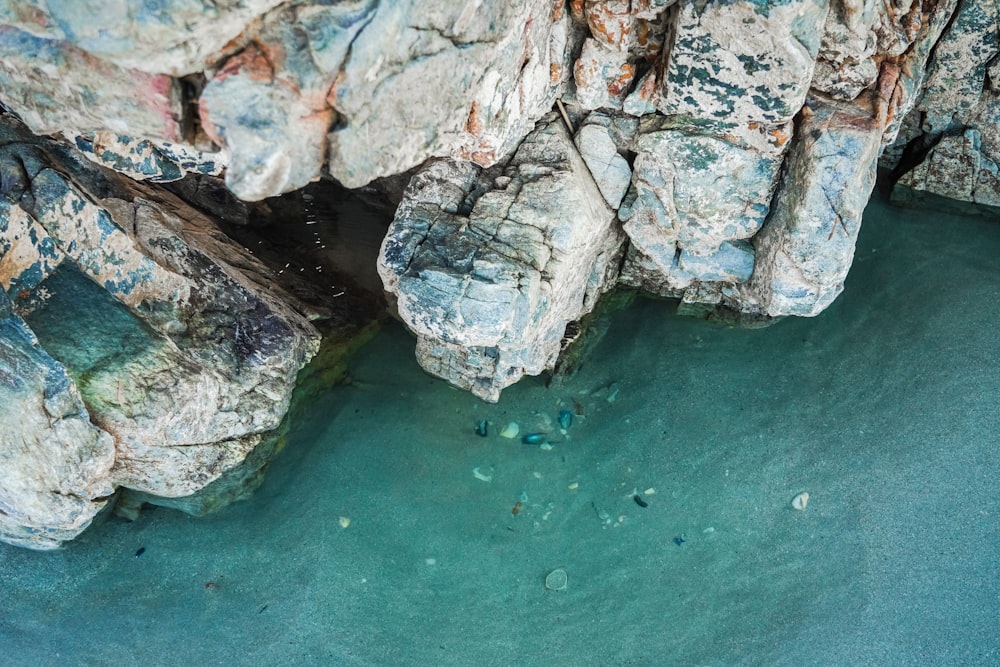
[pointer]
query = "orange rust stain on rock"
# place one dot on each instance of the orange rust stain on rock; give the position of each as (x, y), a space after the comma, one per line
(620, 84)
(779, 137)
(250, 62)
(474, 125)
(558, 7)
(555, 72)
(576, 7)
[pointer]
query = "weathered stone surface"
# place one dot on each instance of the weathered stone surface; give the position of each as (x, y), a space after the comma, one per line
(958, 113)
(806, 247)
(183, 350)
(55, 87)
(957, 168)
(488, 270)
(56, 464)
(147, 160)
(742, 62)
(603, 76)
(845, 65)
(697, 189)
(483, 78)
(175, 37)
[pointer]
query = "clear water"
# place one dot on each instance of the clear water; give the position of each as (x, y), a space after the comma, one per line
(884, 409)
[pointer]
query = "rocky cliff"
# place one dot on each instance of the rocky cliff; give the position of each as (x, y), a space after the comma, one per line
(720, 153)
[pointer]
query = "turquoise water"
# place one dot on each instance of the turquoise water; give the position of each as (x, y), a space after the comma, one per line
(884, 409)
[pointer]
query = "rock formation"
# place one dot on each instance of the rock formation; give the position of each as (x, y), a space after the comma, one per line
(717, 153)
(183, 354)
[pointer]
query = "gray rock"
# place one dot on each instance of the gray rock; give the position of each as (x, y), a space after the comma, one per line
(148, 160)
(956, 168)
(696, 187)
(488, 270)
(806, 247)
(845, 65)
(56, 464)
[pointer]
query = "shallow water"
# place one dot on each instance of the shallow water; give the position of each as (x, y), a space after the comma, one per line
(884, 409)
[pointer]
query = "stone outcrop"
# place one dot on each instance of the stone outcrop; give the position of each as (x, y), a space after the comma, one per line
(488, 267)
(805, 250)
(720, 153)
(956, 122)
(173, 336)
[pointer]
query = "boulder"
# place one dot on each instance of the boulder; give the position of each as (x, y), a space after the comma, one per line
(699, 190)
(488, 268)
(180, 346)
(806, 247)
(741, 62)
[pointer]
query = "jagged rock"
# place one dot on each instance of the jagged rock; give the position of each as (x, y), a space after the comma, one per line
(741, 62)
(958, 112)
(463, 80)
(488, 270)
(603, 76)
(56, 464)
(147, 160)
(697, 189)
(806, 247)
(181, 348)
(844, 64)
(957, 168)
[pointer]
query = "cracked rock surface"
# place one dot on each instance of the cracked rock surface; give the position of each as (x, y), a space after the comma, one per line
(183, 355)
(488, 267)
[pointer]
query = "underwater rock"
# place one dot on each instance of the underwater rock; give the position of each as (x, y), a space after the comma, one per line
(488, 269)
(182, 348)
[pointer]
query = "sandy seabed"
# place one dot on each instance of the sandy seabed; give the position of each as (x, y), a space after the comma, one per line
(885, 409)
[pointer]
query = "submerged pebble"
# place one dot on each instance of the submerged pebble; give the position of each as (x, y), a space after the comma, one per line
(565, 419)
(534, 439)
(556, 580)
(482, 428)
(510, 430)
(800, 501)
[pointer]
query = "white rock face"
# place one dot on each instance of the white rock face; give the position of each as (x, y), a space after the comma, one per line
(462, 80)
(488, 269)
